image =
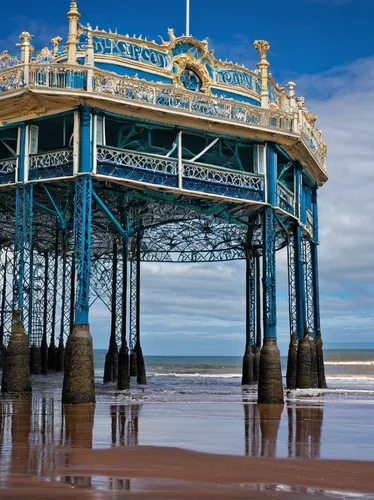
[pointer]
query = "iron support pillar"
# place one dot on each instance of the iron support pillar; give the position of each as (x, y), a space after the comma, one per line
(111, 358)
(79, 386)
(292, 302)
(123, 382)
(52, 344)
(309, 307)
(72, 292)
(3, 305)
(303, 372)
(44, 343)
(257, 346)
(16, 372)
(133, 314)
(317, 320)
(140, 366)
(270, 388)
(60, 354)
(250, 320)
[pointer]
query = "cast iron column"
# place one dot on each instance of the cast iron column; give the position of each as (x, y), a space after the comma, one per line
(270, 387)
(79, 385)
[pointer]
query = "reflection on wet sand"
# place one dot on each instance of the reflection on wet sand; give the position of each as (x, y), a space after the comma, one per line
(261, 426)
(78, 433)
(31, 428)
(304, 431)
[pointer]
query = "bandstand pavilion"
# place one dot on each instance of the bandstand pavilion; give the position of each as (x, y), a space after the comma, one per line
(117, 150)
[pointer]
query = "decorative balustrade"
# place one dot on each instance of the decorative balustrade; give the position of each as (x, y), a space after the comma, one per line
(58, 76)
(210, 173)
(11, 78)
(8, 169)
(143, 161)
(63, 76)
(105, 82)
(309, 221)
(286, 199)
(196, 176)
(313, 139)
(52, 164)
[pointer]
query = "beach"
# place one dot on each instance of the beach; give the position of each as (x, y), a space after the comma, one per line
(193, 432)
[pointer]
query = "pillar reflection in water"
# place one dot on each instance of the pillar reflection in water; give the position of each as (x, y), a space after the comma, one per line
(124, 432)
(304, 431)
(79, 421)
(15, 429)
(261, 426)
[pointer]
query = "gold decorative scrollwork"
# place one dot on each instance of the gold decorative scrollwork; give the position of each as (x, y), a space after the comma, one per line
(44, 53)
(187, 61)
(262, 47)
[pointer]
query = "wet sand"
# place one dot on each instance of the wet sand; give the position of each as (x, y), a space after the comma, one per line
(105, 450)
(157, 472)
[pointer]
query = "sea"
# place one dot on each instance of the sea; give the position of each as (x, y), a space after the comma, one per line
(349, 375)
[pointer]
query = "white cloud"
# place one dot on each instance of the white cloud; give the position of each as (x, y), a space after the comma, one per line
(199, 309)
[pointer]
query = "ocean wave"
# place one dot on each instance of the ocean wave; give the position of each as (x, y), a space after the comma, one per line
(350, 363)
(351, 378)
(196, 375)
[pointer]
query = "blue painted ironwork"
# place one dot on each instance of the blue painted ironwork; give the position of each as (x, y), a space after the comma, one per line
(82, 220)
(133, 300)
(314, 249)
(85, 156)
(292, 288)
(269, 275)
(52, 164)
(258, 301)
(109, 214)
(309, 286)
(269, 240)
(82, 245)
(4, 269)
(299, 282)
(22, 275)
(250, 300)
(161, 170)
(37, 291)
(296, 270)
(62, 289)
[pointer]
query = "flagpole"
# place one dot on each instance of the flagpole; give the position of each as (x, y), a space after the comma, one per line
(187, 17)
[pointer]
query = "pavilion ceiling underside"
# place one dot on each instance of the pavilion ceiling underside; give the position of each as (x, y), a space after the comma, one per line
(181, 229)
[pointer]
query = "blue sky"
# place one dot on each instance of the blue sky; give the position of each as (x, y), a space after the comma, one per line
(327, 48)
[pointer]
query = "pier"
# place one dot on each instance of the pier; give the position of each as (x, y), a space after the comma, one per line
(117, 150)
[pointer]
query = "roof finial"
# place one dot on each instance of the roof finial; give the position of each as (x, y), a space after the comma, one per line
(55, 42)
(263, 46)
(73, 16)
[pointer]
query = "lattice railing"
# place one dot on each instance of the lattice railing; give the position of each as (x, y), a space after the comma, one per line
(196, 172)
(137, 160)
(209, 173)
(63, 76)
(51, 159)
(8, 169)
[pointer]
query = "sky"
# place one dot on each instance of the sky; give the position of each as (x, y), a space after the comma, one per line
(327, 48)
